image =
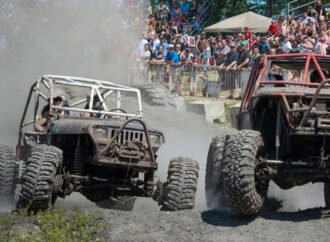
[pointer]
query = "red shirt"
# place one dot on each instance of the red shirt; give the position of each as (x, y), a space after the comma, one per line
(248, 34)
(273, 30)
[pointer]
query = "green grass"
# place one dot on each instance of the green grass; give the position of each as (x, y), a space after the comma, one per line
(4, 221)
(55, 226)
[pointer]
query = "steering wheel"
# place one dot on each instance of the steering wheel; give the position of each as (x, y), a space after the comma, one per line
(119, 109)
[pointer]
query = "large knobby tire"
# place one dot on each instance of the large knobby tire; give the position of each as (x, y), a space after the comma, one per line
(180, 189)
(327, 194)
(157, 95)
(38, 180)
(213, 175)
(240, 162)
(125, 203)
(7, 173)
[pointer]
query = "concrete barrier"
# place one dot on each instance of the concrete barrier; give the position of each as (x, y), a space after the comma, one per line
(213, 111)
(234, 110)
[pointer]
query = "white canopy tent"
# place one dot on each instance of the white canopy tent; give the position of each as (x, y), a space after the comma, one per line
(255, 23)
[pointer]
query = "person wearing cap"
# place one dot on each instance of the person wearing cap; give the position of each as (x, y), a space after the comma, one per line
(172, 63)
(193, 25)
(163, 43)
(178, 43)
(243, 56)
(231, 59)
(273, 29)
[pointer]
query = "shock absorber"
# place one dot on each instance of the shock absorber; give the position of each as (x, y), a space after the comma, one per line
(79, 159)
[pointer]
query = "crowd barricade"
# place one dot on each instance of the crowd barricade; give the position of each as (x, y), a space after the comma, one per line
(210, 81)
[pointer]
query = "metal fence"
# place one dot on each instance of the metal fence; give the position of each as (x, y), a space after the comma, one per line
(196, 79)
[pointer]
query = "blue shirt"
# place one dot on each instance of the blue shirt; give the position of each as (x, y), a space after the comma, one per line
(173, 57)
(165, 45)
(184, 7)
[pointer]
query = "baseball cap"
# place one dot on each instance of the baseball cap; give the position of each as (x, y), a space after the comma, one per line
(203, 33)
(171, 46)
(177, 46)
(232, 45)
(161, 37)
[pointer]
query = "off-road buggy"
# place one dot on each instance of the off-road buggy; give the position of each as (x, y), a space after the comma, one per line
(283, 134)
(108, 155)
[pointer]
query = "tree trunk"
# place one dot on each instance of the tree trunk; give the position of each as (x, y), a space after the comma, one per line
(269, 11)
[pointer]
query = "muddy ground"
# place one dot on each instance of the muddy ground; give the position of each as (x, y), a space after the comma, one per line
(189, 135)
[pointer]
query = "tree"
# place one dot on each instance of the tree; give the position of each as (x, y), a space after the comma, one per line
(269, 8)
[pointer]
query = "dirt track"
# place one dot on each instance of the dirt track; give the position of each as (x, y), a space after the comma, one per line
(198, 225)
(189, 135)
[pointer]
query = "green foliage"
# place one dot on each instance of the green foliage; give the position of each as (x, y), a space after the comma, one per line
(55, 226)
(4, 221)
(5, 237)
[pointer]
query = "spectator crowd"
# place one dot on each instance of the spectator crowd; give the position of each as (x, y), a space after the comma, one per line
(166, 39)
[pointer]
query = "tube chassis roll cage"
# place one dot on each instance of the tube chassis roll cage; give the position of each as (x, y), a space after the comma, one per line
(96, 88)
(253, 86)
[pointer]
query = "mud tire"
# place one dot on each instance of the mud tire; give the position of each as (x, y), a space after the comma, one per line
(327, 194)
(213, 175)
(239, 164)
(180, 189)
(124, 203)
(157, 95)
(7, 174)
(37, 187)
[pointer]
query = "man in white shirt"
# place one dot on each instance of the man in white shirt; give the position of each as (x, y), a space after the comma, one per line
(286, 46)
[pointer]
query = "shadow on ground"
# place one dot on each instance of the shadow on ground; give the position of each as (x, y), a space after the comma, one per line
(227, 219)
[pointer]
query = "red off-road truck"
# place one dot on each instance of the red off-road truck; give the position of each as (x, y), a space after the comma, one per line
(283, 134)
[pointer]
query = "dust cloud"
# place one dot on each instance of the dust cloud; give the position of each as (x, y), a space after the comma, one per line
(89, 38)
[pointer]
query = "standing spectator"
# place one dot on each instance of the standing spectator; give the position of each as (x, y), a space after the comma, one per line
(265, 47)
(201, 45)
(311, 12)
(304, 19)
(185, 7)
(255, 54)
(319, 8)
(172, 61)
(286, 46)
(178, 49)
(163, 43)
(323, 40)
(221, 53)
(231, 59)
(193, 25)
(145, 58)
(273, 29)
(248, 34)
(159, 57)
(282, 25)
(193, 9)
(243, 56)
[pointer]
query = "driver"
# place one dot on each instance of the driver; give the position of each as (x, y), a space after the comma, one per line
(97, 105)
(40, 125)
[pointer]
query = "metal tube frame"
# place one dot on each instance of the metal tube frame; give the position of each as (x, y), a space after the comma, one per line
(48, 81)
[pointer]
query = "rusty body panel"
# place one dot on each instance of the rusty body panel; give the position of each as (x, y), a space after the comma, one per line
(293, 116)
